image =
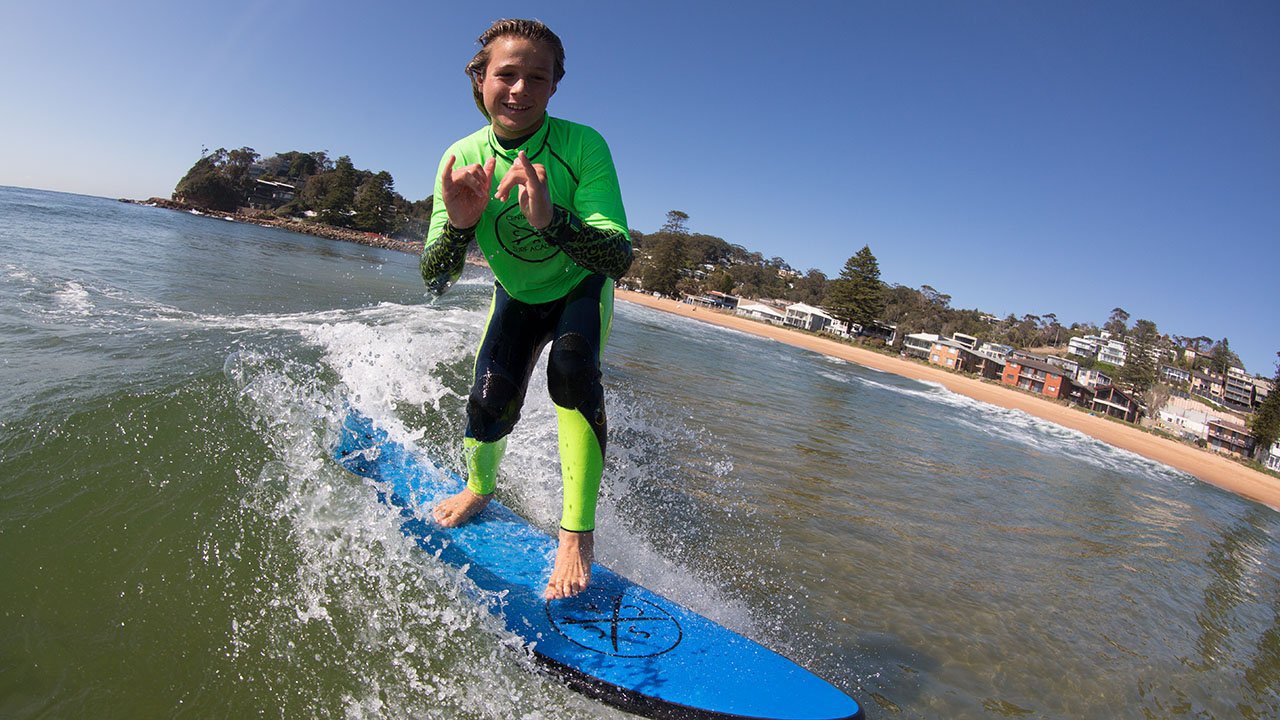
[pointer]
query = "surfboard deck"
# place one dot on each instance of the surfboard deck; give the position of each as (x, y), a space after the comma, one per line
(617, 642)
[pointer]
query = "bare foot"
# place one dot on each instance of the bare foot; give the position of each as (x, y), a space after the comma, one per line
(572, 572)
(457, 509)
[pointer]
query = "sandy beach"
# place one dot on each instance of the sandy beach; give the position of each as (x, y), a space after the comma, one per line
(1207, 466)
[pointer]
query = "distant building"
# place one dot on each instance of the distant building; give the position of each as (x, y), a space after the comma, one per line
(919, 344)
(1113, 352)
(808, 317)
(995, 350)
(1189, 422)
(956, 356)
(1238, 389)
(1092, 378)
(968, 342)
(1110, 400)
(1174, 375)
(758, 311)
(1208, 385)
(1086, 346)
(271, 194)
(1036, 376)
(1272, 460)
(888, 332)
(1230, 437)
(1071, 367)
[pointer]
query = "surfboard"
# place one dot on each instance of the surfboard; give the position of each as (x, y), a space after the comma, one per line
(617, 642)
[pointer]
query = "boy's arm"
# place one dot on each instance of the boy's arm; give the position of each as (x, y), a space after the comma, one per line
(593, 233)
(443, 260)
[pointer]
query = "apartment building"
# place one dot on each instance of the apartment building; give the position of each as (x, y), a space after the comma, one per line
(1036, 376)
(1230, 437)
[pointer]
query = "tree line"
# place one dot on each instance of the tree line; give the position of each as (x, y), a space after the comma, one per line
(335, 191)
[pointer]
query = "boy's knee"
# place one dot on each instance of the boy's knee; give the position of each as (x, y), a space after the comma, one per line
(493, 407)
(573, 377)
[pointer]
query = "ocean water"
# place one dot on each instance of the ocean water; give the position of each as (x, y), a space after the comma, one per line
(175, 542)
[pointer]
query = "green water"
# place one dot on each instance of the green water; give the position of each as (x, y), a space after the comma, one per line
(174, 541)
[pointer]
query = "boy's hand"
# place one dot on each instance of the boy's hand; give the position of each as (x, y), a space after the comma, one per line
(535, 198)
(465, 191)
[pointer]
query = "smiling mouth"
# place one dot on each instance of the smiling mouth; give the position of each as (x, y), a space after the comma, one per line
(517, 108)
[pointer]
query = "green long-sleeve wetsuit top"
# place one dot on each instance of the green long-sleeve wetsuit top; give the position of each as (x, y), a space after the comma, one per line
(588, 230)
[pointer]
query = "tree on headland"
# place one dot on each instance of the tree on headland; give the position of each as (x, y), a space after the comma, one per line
(1118, 323)
(857, 296)
(1222, 358)
(1265, 423)
(374, 203)
(662, 271)
(218, 180)
(677, 222)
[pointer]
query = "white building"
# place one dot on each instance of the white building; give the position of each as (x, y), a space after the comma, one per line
(1113, 352)
(919, 344)
(757, 311)
(808, 317)
(1272, 460)
(1092, 379)
(995, 351)
(1086, 346)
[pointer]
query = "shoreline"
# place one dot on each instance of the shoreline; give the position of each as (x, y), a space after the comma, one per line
(1204, 465)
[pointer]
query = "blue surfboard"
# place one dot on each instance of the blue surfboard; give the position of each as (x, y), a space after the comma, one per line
(617, 642)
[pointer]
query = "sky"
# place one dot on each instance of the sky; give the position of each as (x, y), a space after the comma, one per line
(1022, 156)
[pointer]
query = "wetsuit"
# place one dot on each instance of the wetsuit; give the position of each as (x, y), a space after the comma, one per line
(551, 286)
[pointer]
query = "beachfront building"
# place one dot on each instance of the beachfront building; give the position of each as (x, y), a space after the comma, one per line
(919, 344)
(1189, 422)
(1110, 400)
(877, 330)
(760, 311)
(808, 317)
(715, 300)
(1174, 375)
(1231, 437)
(967, 342)
(952, 355)
(1036, 376)
(1272, 460)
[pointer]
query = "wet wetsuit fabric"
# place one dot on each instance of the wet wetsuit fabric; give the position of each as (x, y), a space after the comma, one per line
(553, 286)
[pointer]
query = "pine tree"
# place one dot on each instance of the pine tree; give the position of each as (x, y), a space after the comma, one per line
(857, 296)
(1265, 423)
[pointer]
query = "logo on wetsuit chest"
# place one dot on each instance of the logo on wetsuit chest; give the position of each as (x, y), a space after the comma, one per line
(518, 237)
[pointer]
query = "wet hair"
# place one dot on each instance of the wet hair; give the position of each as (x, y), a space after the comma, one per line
(528, 29)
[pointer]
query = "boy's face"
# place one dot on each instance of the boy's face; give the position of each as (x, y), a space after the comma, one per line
(517, 84)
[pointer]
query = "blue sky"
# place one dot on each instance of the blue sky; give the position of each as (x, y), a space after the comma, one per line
(1021, 156)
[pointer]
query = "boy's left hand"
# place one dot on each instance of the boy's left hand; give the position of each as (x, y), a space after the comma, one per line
(535, 198)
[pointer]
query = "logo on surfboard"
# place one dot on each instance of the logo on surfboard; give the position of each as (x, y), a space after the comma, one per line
(621, 626)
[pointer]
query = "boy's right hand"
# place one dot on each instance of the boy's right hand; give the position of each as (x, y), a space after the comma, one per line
(466, 191)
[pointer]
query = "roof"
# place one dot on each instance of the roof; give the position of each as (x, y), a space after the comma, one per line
(758, 308)
(1036, 365)
(809, 310)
